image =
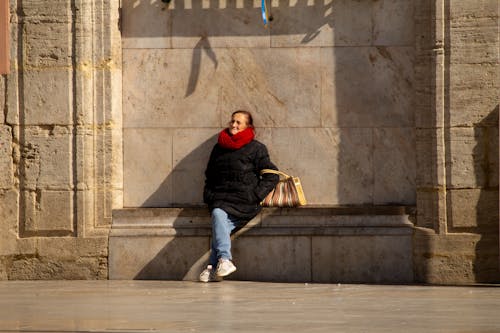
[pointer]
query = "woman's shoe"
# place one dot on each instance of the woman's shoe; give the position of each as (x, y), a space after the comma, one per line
(224, 268)
(208, 275)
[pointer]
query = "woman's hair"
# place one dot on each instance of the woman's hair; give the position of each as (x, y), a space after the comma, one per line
(246, 113)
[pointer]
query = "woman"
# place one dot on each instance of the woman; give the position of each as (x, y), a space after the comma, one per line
(234, 188)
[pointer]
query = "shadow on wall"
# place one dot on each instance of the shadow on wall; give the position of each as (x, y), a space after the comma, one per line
(359, 140)
(186, 177)
(183, 257)
(197, 20)
(487, 260)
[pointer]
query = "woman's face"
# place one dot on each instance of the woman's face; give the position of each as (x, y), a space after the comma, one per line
(238, 123)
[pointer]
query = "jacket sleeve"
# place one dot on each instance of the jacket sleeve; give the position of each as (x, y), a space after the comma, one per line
(267, 181)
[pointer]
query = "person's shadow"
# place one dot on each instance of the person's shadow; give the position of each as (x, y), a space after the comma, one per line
(187, 248)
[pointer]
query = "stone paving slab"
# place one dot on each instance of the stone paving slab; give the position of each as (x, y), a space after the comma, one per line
(231, 306)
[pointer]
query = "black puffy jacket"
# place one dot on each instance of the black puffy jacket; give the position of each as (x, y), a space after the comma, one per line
(233, 182)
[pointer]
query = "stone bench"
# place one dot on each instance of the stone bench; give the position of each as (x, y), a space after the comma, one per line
(366, 244)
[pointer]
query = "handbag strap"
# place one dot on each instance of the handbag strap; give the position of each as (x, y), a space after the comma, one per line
(276, 172)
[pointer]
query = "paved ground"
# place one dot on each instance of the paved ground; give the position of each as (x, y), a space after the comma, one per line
(230, 306)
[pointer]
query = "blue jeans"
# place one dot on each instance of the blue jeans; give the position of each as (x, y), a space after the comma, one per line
(222, 225)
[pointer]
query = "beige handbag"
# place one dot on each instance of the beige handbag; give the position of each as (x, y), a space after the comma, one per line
(287, 193)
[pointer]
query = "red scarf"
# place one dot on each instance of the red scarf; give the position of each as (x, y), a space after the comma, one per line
(236, 141)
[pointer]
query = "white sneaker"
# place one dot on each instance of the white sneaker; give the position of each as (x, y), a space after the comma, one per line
(225, 267)
(208, 275)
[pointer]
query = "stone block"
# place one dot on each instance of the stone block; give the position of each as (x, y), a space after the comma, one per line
(322, 23)
(260, 257)
(34, 268)
(474, 95)
(146, 24)
(462, 258)
(492, 137)
(431, 209)
(48, 45)
(367, 87)
(154, 258)
(40, 9)
(394, 166)
(9, 215)
(468, 158)
(47, 96)
(430, 166)
(474, 40)
(473, 9)
(3, 269)
(334, 165)
(6, 161)
(281, 86)
(48, 212)
(393, 23)
(72, 248)
(353, 259)
(46, 157)
(222, 24)
(166, 88)
(147, 167)
(472, 208)
(166, 167)
(191, 152)
(195, 88)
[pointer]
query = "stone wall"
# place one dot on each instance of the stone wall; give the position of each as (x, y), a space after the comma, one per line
(457, 142)
(370, 102)
(330, 84)
(60, 139)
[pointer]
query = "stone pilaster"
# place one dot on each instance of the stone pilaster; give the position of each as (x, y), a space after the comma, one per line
(60, 138)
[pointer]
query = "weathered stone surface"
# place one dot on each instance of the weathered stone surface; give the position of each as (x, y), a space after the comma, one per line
(431, 208)
(48, 211)
(455, 258)
(47, 97)
(40, 9)
(367, 87)
(343, 23)
(6, 161)
(472, 208)
(146, 24)
(195, 88)
(492, 135)
(393, 23)
(191, 151)
(321, 23)
(147, 167)
(48, 45)
(72, 247)
(430, 166)
(46, 157)
(375, 259)
(474, 40)
(394, 166)
(259, 258)
(474, 95)
(473, 9)
(148, 258)
(35, 268)
(468, 164)
(328, 152)
(279, 249)
(9, 230)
